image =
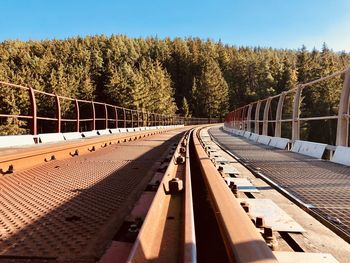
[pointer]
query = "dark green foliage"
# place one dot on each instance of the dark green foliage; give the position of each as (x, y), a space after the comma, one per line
(189, 76)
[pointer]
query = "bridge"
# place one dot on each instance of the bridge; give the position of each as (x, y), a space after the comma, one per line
(95, 182)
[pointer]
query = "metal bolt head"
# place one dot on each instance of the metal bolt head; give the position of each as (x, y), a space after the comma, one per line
(259, 222)
(180, 159)
(133, 228)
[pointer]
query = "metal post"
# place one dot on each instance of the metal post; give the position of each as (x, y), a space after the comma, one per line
(106, 116)
(93, 116)
(34, 122)
(124, 113)
(266, 117)
(132, 119)
(249, 117)
(296, 113)
(257, 111)
(58, 114)
(116, 117)
(278, 127)
(77, 115)
(343, 121)
(138, 118)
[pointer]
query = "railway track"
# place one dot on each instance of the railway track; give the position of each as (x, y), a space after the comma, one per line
(174, 204)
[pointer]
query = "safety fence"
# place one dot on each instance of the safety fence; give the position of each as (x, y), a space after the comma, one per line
(293, 113)
(40, 112)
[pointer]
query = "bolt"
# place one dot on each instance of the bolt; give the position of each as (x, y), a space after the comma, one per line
(175, 185)
(270, 239)
(245, 206)
(182, 149)
(234, 189)
(133, 228)
(180, 159)
(259, 222)
(220, 169)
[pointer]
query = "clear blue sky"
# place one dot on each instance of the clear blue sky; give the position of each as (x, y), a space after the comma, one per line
(275, 23)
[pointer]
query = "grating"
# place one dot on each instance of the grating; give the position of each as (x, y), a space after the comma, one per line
(69, 209)
(324, 185)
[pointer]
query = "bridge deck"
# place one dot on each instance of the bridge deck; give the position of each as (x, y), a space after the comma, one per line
(69, 209)
(321, 185)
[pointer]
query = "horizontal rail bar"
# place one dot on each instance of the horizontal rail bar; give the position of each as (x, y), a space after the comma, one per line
(318, 118)
(16, 116)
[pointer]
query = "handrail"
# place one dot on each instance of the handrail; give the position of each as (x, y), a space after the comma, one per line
(111, 116)
(241, 119)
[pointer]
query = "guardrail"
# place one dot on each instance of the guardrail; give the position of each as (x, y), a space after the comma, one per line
(250, 115)
(83, 114)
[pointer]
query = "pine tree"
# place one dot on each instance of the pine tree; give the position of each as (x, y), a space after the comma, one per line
(212, 92)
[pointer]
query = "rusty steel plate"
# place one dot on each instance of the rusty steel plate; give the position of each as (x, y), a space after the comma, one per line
(70, 209)
(323, 185)
(273, 215)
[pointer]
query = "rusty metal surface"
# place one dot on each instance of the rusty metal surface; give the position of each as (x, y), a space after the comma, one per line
(322, 185)
(243, 242)
(167, 234)
(67, 210)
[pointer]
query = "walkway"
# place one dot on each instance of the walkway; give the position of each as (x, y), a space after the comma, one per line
(322, 186)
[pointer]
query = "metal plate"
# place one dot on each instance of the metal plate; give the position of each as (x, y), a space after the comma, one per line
(229, 169)
(51, 137)
(104, 132)
(247, 134)
(312, 149)
(16, 140)
(244, 185)
(90, 133)
(264, 139)
(72, 135)
(293, 257)
(342, 155)
(68, 209)
(274, 216)
(278, 142)
(254, 137)
(322, 184)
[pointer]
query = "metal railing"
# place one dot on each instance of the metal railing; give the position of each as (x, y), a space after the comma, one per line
(86, 113)
(241, 118)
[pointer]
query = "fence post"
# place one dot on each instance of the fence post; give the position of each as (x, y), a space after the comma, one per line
(93, 116)
(106, 116)
(124, 113)
(116, 117)
(249, 117)
(296, 113)
(279, 111)
(257, 123)
(132, 119)
(266, 117)
(343, 119)
(77, 115)
(138, 118)
(58, 113)
(34, 122)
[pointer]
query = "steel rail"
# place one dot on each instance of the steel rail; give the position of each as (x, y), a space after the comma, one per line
(160, 239)
(243, 242)
(23, 158)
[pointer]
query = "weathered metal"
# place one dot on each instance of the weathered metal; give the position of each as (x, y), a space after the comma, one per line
(161, 239)
(343, 119)
(242, 240)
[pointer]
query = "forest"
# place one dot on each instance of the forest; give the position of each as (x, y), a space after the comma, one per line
(188, 77)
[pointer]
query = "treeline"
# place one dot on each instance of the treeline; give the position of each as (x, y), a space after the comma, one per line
(191, 77)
